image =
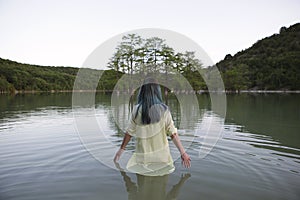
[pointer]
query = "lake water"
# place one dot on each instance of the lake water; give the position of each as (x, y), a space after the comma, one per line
(257, 156)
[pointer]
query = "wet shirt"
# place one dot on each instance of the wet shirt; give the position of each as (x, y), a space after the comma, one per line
(152, 154)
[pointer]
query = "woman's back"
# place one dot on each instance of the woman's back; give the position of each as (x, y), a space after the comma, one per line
(152, 152)
(150, 123)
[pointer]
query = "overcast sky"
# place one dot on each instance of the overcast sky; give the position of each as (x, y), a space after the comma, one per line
(64, 33)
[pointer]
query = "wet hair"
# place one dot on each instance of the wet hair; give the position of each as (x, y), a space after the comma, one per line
(150, 101)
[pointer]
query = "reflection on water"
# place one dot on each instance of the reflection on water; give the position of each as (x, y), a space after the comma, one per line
(151, 187)
(274, 115)
(257, 156)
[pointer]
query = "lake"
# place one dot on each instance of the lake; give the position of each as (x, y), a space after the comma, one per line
(257, 156)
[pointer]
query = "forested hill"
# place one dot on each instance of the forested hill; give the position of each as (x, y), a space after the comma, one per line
(272, 63)
(25, 77)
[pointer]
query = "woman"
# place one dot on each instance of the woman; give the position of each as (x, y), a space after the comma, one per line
(150, 123)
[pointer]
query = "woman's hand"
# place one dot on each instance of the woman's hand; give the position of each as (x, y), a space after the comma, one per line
(122, 148)
(118, 155)
(186, 160)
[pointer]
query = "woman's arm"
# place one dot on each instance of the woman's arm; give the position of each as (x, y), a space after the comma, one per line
(126, 139)
(186, 160)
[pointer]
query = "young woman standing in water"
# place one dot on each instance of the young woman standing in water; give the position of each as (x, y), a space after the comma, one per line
(150, 123)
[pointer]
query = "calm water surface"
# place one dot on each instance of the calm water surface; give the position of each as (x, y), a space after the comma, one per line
(257, 156)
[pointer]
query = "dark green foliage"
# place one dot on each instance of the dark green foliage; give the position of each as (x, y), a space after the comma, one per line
(108, 80)
(25, 77)
(5, 85)
(136, 55)
(272, 63)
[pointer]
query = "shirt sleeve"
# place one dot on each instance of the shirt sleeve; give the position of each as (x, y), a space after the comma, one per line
(131, 129)
(170, 128)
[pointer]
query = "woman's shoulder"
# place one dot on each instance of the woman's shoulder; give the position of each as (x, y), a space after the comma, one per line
(163, 109)
(165, 106)
(136, 109)
(138, 106)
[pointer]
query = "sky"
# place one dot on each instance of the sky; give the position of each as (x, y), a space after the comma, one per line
(65, 32)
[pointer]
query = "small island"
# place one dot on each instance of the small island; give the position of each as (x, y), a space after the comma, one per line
(271, 64)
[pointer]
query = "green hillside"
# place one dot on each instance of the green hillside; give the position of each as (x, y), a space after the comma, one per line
(272, 63)
(24, 77)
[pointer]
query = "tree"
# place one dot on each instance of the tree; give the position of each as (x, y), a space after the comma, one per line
(237, 78)
(154, 51)
(138, 55)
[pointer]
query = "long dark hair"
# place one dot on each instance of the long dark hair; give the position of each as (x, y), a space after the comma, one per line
(150, 99)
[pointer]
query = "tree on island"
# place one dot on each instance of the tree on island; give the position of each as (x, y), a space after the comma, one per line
(272, 63)
(137, 55)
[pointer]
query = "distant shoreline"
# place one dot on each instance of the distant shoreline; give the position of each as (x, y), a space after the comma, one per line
(269, 91)
(173, 92)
